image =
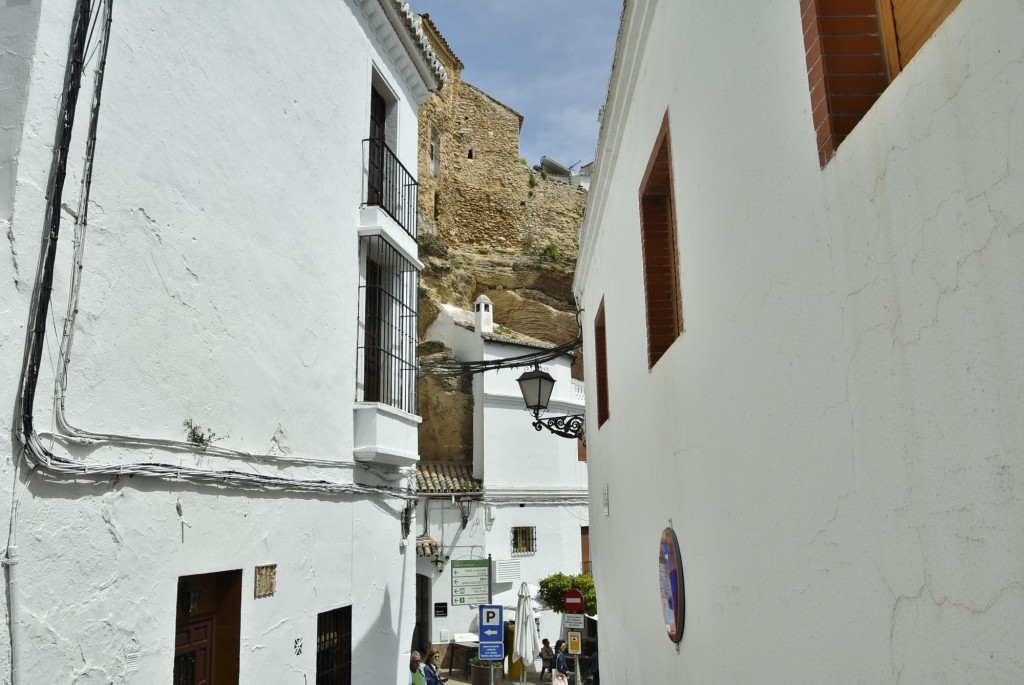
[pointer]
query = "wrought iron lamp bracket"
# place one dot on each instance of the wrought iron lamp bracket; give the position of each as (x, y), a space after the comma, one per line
(569, 426)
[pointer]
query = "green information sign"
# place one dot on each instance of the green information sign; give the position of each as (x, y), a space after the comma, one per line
(470, 583)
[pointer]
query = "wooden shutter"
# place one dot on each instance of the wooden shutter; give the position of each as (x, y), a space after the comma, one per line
(907, 24)
(659, 242)
(601, 362)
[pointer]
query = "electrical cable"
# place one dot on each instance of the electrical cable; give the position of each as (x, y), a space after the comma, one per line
(444, 368)
(61, 467)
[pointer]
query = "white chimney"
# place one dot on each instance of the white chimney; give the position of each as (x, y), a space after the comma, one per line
(483, 315)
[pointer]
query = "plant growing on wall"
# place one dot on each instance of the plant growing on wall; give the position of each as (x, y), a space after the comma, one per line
(431, 245)
(533, 180)
(551, 251)
(197, 436)
(553, 589)
(529, 239)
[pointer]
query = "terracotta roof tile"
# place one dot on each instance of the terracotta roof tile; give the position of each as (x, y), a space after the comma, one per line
(445, 478)
(426, 546)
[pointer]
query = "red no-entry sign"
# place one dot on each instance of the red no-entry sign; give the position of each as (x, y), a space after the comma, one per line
(573, 600)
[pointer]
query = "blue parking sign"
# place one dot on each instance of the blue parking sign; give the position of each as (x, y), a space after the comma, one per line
(491, 627)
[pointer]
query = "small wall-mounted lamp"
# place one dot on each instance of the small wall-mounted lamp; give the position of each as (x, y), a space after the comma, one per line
(536, 387)
(189, 599)
(439, 561)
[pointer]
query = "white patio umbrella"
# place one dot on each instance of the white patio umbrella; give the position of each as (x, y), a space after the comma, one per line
(527, 643)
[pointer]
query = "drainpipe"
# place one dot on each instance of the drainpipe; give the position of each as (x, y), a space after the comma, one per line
(13, 608)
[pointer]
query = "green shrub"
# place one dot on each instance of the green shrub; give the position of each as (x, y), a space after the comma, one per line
(550, 251)
(432, 246)
(553, 589)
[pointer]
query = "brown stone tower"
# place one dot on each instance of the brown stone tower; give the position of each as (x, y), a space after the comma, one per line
(489, 225)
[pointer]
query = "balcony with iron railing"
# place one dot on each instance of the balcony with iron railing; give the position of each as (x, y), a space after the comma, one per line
(385, 423)
(389, 185)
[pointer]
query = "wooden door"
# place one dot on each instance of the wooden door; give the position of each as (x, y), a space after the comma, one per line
(375, 163)
(193, 652)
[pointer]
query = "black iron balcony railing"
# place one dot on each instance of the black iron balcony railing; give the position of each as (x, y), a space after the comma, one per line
(389, 185)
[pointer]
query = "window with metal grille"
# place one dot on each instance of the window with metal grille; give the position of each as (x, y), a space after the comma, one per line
(334, 647)
(660, 250)
(524, 540)
(388, 326)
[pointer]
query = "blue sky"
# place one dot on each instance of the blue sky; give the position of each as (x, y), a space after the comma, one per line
(547, 59)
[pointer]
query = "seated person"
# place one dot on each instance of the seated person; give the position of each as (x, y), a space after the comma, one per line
(547, 658)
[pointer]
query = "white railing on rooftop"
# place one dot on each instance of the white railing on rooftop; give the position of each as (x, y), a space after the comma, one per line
(579, 391)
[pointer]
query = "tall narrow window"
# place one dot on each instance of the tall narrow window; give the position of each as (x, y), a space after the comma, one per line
(660, 250)
(388, 313)
(854, 48)
(435, 153)
(585, 549)
(375, 167)
(601, 362)
(907, 24)
(334, 647)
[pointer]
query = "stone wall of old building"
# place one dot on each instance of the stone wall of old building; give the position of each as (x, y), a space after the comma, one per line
(488, 225)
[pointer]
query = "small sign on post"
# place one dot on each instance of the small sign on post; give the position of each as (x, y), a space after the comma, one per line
(573, 601)
(574, 643)
(574, 621)
(469, 581)
(492, 647)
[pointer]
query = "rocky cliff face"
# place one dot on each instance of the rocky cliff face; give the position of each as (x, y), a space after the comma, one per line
(488, 225)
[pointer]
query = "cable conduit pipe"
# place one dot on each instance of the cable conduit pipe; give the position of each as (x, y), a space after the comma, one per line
(61, 466)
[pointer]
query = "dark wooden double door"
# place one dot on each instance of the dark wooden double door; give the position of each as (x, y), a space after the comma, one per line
(193, 652)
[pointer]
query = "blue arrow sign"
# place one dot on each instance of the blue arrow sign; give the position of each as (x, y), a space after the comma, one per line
(491, 626)
(490, 622)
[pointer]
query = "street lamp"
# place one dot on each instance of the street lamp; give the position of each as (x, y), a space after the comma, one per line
(536, 386)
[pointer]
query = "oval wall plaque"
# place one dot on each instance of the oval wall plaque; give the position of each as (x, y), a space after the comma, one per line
(673, 595)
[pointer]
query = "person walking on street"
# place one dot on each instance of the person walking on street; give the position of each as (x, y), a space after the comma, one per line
(561, 664)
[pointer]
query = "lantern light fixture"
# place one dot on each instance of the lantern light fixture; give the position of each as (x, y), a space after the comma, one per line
(536, 387)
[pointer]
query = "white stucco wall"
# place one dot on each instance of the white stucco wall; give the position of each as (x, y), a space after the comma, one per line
(488, 532)
(836, 436)
(530, 478)
(517, 455)
(558, 551)
(219, 286)
(444, 524)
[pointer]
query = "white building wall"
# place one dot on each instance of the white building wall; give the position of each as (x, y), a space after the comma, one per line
(531, 478)
(836, 436)
(220, 282)
(558, 551)
(518, 456)
(444, 524)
